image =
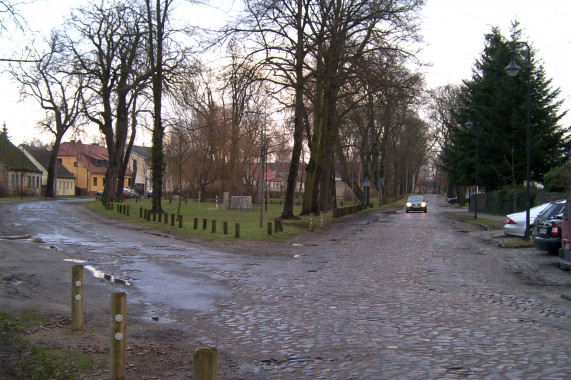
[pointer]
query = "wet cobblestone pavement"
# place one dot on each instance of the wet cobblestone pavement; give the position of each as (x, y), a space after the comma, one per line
(394, 296)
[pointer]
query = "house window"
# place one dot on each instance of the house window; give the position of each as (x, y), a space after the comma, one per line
(94, 181)
(75, 164)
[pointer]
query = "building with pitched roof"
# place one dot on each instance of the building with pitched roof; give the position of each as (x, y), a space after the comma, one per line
(18, 175)
(40, 156)
(88, 162)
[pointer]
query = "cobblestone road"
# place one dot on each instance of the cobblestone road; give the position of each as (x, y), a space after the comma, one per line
(393, 296)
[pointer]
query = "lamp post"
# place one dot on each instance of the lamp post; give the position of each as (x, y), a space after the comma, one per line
(513, 69)
(469, 124)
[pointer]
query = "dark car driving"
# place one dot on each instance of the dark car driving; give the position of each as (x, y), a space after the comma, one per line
(546, 229)
(416, 203)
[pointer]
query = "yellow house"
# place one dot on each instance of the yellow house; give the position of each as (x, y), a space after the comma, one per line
(89, 165)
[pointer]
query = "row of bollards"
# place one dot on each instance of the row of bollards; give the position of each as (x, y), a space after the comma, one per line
(146, 214)
(205, 359)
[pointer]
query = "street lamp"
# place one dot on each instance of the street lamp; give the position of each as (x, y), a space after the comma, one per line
(513, 69)
(469, 124)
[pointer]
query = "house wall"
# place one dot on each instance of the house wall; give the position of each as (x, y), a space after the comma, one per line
(142, 180)
(65, 187)
(28, 183)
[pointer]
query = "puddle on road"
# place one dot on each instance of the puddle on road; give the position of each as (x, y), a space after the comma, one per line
(99, 274)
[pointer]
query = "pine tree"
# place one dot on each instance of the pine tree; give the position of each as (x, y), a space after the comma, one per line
(497, 105)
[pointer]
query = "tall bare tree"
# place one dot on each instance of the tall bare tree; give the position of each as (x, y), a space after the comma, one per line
(47, 79)
(111, 55)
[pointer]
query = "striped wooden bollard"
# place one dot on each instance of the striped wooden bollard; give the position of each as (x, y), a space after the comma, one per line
(77, 298)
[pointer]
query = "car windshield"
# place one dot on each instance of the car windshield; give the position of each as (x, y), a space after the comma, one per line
(416, 198)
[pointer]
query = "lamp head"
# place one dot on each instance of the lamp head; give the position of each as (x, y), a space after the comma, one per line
(513, 68)
(469, 124)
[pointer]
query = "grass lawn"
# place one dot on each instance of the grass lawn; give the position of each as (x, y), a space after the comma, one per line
(249, 220)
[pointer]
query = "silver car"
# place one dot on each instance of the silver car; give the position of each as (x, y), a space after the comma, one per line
(416, 203)
(515, 224)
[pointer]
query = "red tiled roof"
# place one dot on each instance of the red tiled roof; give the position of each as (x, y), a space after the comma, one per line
(86, 154)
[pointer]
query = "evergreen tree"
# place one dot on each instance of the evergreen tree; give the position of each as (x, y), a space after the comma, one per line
(497, 105)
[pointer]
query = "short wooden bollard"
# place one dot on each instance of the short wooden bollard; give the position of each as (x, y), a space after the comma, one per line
(148, 215)
(269, 228)
(180, 221)
(166, 218)
(140, 213)
(154, 216)
(213, 225)
(172, 220)
(160, 217)
(118, 329)
(195, 223)
(204, 223)
(128, 210)
(225, 227)
(276, 228)
(77, 298)
(237, 230)
(205, 363)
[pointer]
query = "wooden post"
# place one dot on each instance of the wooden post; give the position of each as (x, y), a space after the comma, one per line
(225, 226)
(129, 209)
(204, 223)
(213, 225)
(118, 330)
(154, 216)
(276, 228)
(180, 221)
(237, 232)
(269, 228)
(281, 226)
(172, 220)
(195, 223)
(77, 298)
(160, 217)
(205, 363)
(140, 212)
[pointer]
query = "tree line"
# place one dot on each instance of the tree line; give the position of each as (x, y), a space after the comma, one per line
(328, 83)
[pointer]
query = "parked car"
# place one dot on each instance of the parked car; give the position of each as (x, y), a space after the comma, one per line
(546, 231)
(129, 193)
(515, 224)
(453, 200)
(416, 203)
(565, 250)
(99, 193)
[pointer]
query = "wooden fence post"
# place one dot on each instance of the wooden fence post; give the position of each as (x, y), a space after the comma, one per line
(77, 298)
(195, 223)
(205, 363)
(172, 220)
(204, 223)
(269, 228)
(180, 221)
(225, 227)
(118, 329)
(237, 231)
(213, 225)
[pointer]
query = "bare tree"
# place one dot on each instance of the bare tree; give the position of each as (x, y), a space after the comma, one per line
(48, 81)
(111, 55)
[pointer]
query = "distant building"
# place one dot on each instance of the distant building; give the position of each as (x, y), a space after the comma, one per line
(40, 156)
(89, 165)
(18, 174)
(140, 164)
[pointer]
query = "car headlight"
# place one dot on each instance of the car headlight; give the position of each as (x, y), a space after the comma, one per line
(408, 204)
(423, 204)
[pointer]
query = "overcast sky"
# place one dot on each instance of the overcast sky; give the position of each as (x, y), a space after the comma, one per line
(453, 32)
